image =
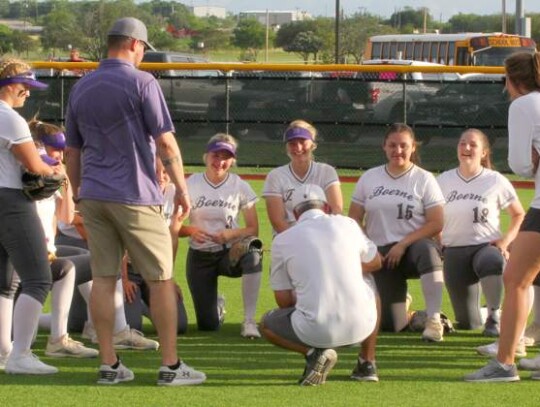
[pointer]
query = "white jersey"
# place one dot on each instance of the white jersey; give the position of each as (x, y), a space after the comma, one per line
(523, 135)
(473, 206)
(14, 130)
(320, 259)
(395, 206)
(217, 207)
(282, 181)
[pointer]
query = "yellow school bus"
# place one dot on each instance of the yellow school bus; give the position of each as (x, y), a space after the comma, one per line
(477, 49)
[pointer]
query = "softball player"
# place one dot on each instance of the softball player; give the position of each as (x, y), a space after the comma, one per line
(475, 249)
(218, 197)
(523, 86)
(401, 206)
(280, 183)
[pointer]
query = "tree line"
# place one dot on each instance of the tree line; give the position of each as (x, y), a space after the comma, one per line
(84, 24)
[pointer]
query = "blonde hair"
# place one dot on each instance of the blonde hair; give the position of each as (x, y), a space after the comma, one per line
(302, 124)
(226, 138)
(485, 161)
(523, 69)
(12, 66)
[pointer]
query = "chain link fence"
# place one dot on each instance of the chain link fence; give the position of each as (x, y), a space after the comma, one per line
(350, 109)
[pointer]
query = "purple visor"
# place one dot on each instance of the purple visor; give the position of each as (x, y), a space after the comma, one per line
(49, 160)
(27, 78)
(297, 132)
(56, 141)
(221, 146)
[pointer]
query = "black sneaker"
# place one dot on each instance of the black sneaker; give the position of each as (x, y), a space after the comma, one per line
(318, 365)
(365, 372)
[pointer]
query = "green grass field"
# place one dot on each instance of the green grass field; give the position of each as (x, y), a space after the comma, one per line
(254, 373)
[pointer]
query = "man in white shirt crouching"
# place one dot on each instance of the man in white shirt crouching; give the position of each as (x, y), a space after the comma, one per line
(316, 274)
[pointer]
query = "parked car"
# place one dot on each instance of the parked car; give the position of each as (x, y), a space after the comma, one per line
(395, 94)
(475, 100)
(268, 101)
(187, 91)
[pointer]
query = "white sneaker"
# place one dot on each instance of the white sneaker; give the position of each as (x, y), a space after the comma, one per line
(250, 330)
(532, 333)
(3, 360)
(183, 376)
(530, 364)
(433, 331)
(67, 347)
(491, 349)
(28, 363)
(133, 339)
(89, 332)
(108, 375)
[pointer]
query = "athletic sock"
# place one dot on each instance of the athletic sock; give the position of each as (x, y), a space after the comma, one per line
(61, 296)
(26, 315)
(85, 289)
(120, 322)
(251, 284)
(492, 287)
(175, 366)
(6, 324)
(536, 305)
(432, 288)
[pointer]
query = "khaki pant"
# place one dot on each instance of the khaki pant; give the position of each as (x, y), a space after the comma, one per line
(141, 230)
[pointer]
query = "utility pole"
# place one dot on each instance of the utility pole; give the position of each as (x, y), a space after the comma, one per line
(266, 38)
(503, 17)
(520, 16)
(338, 17)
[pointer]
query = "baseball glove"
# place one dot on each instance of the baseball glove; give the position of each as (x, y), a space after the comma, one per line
(418, 320)
(244, 246)
(37, 187)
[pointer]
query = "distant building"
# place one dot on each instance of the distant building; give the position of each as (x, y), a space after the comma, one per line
(276, 18)
(208, 11)
(21, 25)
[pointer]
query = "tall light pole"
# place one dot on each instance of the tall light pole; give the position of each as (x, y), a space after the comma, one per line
(503, 14)
(338, 17)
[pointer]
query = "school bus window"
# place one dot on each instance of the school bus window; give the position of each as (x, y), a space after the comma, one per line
(393, 50)
(417, 51)
(409, 48)
(385, 50)
(434, 52)
(442, 52)
(425, 52)
(401, 50)
(376, 50)
(451, 50)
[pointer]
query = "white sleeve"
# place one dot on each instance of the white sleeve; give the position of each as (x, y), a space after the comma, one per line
(359, 196)
(248, 196)
(279, 279)
(507, 192)
(520, 134)
(433, 195)
(272, 185)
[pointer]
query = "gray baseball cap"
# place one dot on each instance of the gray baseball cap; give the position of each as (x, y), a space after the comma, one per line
(131, 27)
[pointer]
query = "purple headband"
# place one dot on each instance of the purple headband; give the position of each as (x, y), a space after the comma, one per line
(27, 78)
(221, 146)
(49, 160)
(56, 141)
(297, 132)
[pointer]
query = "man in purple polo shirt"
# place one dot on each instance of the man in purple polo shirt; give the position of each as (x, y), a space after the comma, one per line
(116, 122)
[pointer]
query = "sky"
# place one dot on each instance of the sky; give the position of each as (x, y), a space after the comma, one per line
(439, 9)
